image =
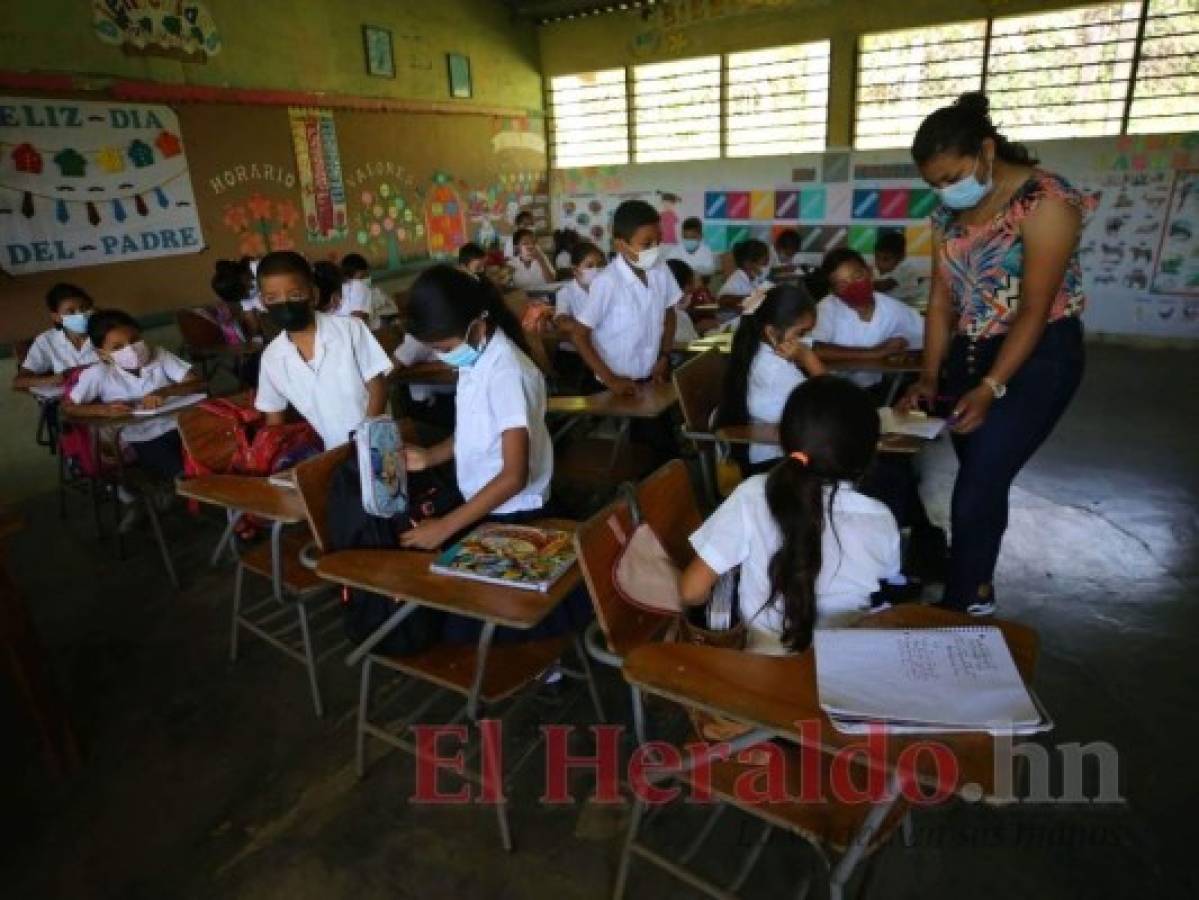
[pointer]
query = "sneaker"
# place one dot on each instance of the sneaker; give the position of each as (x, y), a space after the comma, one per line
(981, 608)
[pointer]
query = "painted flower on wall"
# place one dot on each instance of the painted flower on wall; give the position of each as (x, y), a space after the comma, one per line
(262, 224)
(386, 224)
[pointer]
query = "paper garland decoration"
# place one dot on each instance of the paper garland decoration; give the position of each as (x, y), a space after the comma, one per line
(178, 29)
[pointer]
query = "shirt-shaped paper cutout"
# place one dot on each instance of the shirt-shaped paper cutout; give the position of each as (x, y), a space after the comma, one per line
(27, 159)
(111, 160)
(140, 154)
(71, 163)
(168, 144)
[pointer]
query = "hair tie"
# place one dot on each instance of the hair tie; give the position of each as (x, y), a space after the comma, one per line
(800, 457)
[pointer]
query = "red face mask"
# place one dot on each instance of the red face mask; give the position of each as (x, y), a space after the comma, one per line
(857, 294)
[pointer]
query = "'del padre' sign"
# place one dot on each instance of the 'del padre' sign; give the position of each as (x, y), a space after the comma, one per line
(85, 183)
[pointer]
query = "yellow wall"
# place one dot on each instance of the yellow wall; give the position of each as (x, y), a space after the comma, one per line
(311, 45)
(620, 39)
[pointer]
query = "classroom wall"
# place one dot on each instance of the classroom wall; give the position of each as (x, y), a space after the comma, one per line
(480, 159)
(313, 45)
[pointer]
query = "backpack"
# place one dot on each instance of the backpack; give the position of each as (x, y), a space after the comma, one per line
(351, 527)
(80, 451)
(274, 448)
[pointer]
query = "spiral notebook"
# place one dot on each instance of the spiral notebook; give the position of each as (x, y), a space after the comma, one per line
(923, 679)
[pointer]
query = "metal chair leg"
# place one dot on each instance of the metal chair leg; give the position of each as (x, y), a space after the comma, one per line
(908, 830)
(156, 527)
(626, 853)
(585, 663)
(238, 579)
(638, 716)
(364, 694)
(309, 659)
(495, 764)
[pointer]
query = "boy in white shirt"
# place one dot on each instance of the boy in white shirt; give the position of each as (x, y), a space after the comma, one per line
(786, 249)
(524, 222)
(330, 369)
(65, 346)
(855, 322)
(693, 251)
(894, 275)
(752, 259)
(530, 268)
(379, 305)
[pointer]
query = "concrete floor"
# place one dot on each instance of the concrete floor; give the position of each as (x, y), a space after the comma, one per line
(208, 780)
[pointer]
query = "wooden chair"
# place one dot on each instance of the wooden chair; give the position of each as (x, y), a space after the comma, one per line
(204, 343)
(280, 562)
(699, 382)
(775, 697)
(668, 504)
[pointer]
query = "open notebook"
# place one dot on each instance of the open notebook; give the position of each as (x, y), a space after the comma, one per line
(171, 404)
(916, 424)
(923, 679)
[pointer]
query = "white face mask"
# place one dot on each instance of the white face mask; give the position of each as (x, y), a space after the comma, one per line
(648, 258)
(132, 357)
(586, 276)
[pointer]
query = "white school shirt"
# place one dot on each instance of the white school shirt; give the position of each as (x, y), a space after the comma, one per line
(109, 383)
(837, 323)
(52, 353)
(410, 353)
(771, 381)
(737, 285)
(380, 305)
(701, 260)
(330, 391)
(626, 316)
(527, 276)
(859, 551)
(566, 303)
(501, 391)
(908, 284)
(684, 328)
(355, 298)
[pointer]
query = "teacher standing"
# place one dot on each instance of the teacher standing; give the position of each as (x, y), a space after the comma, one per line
(1003, 339)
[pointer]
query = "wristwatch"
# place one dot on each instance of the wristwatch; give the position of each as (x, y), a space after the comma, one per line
(996, 388)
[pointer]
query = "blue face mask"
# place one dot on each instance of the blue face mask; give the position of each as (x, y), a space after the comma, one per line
(76, 323)
(464, 355)
(690, 244)
(965, 193)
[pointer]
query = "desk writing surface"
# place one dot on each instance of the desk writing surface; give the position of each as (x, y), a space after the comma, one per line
(404, 576)
(649, 402)
(779, 692)
(248, 493)
(907, 361)
(761, 433)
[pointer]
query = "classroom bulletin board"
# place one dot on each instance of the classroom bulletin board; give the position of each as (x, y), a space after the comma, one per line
(416, 186)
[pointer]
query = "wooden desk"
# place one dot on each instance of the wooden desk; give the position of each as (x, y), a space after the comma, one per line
(903, 363)
(758, 433)
(246, 493)
(429, 373)
(649, 402)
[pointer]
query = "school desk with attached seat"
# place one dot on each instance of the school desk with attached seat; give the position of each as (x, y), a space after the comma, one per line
(482, 674)
(650, 401)
(204, 344)
(773, 696)
(698, 383)
(47, 398)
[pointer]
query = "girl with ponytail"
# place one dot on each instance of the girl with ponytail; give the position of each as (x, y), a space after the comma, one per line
(811, 548)
(770, 358)
(501, 450)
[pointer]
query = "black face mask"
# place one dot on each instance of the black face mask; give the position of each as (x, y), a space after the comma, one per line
(293, 315)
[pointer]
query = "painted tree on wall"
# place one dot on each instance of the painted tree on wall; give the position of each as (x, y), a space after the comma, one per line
(262, 224)
(390, 225)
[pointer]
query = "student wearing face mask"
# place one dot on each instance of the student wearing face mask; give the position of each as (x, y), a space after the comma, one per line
(132, 374)
(1003, 321)
(693, 251)
(339, 296)
(752, 259)
(330, 369)
(63, 347)
(856, 322)
(502, 455)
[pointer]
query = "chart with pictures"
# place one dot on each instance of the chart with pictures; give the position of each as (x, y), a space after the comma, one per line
(1177, 269)
(1120, 245)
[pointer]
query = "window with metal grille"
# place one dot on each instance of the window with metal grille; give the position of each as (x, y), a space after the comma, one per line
(777, 100)
(589, 119)
(676, 110)
(1064, 73)
(1166, 94)
(905, 75)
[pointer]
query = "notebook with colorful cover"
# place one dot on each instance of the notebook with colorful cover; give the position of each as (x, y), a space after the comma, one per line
(516, 556)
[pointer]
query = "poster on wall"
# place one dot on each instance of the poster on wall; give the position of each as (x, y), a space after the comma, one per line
(318, 162)
(1178, 260)
(89, 183)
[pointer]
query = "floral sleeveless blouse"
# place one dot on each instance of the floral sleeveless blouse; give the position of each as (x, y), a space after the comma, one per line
(983, 264)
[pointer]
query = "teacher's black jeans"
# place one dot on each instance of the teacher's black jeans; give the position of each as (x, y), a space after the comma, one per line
(991, 456)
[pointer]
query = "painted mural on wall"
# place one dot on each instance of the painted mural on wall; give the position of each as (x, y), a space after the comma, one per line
(89, 183)
(491, 208)
(318, 161)
(667, 23)
(522, 133)
(262, 224)
(177, 29)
